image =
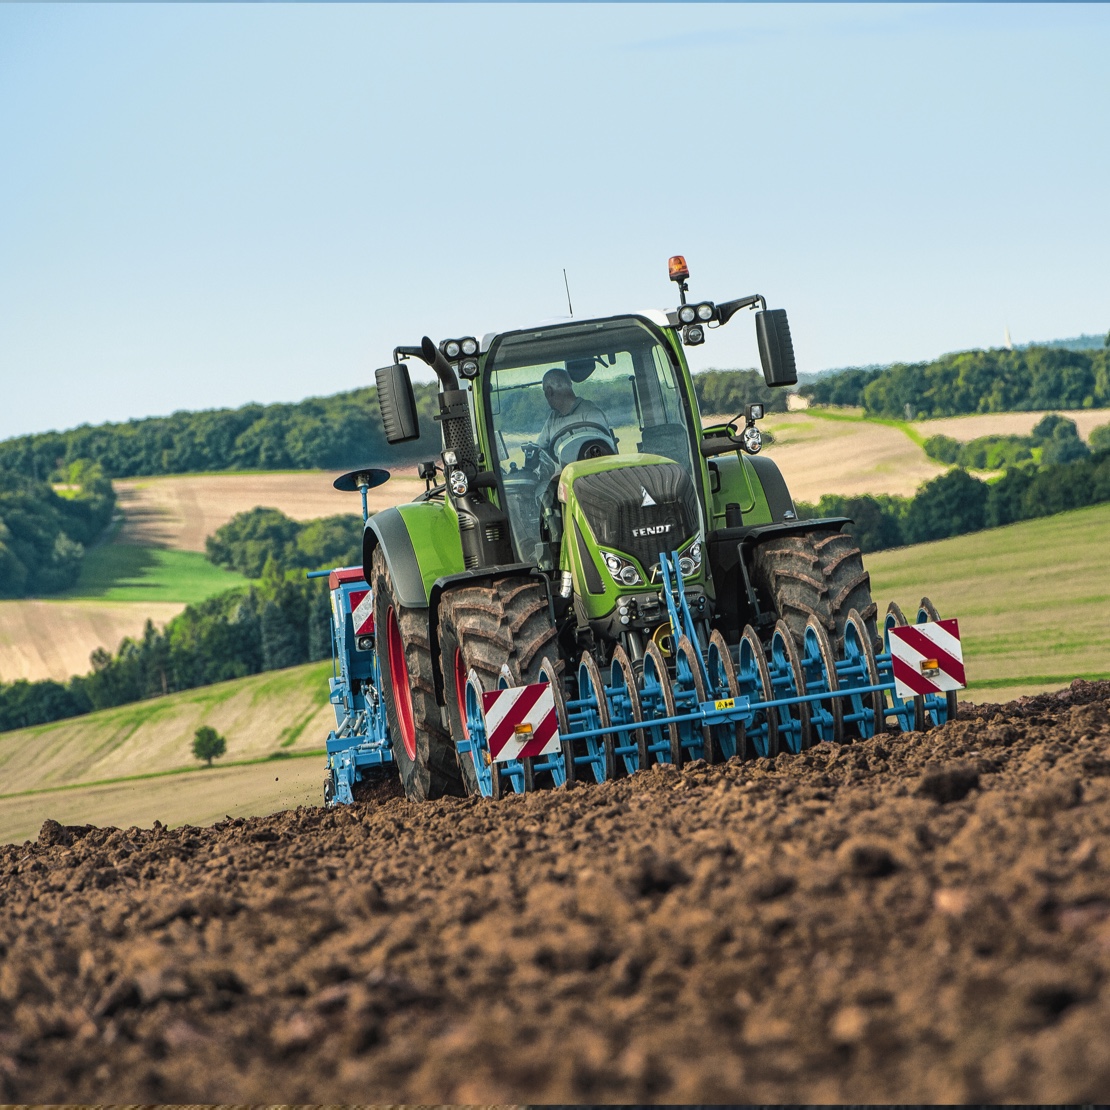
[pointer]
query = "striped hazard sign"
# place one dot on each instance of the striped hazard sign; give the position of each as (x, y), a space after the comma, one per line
(362, 612)
(927, 658)
(521, 721)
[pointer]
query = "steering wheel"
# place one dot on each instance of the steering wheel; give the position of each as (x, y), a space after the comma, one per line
(592, 445)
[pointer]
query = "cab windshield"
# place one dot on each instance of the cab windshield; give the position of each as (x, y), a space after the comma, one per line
(578, 391)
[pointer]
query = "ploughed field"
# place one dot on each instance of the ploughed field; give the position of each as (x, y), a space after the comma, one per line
(912, 919)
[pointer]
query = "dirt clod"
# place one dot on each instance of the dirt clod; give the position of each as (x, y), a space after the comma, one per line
(910, 919)
(948, 782)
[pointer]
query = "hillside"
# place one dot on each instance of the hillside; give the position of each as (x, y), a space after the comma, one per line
(1031, 599)
(153, 565)
(89, 765)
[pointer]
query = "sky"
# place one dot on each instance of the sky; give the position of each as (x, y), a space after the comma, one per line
(205, 205)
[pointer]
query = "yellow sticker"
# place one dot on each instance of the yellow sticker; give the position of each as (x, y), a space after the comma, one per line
(725, 703)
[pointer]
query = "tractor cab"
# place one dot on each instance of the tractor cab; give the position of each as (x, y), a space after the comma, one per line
(597, 390)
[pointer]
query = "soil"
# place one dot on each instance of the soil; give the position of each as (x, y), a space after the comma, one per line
(910, 919)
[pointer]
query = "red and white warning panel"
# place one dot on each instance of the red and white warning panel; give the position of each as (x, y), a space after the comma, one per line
(521, 722)
(362, 612)
(927, 658)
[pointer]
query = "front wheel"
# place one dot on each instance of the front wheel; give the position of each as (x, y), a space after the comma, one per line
(422, 749)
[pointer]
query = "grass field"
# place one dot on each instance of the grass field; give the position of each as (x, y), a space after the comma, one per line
(1033, 599)
(129, 573)
(824, 451)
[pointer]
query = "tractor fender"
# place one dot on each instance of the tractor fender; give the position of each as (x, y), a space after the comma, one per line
(388, 528)
(778, 496)
(469, 578)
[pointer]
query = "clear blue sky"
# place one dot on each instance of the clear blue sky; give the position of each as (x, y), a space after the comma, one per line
(206, 205)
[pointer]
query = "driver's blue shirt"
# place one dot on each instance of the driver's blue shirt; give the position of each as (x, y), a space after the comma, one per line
(584, 411)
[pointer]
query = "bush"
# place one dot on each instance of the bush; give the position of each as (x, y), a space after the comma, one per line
(208, 744)
(251, 539)
(944, 449)
(1099, 439)
(950, 505)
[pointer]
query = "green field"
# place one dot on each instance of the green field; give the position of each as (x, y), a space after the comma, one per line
(125, 572)
(1033, 599)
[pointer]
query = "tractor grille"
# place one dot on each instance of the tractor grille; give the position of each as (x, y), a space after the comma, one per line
(614, 504)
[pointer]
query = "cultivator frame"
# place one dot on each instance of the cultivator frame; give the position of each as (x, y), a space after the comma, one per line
(720, 701)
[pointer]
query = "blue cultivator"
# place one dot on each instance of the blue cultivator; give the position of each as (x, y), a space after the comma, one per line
(360, 741)
(359, 745)
(702, 698)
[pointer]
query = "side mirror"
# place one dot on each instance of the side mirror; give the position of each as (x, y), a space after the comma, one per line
(776, 351)
(397, 403)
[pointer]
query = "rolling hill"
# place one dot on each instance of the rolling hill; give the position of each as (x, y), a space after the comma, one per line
(1031, 599)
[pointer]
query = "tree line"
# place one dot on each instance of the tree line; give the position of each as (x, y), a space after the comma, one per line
(1023, 380)
(44, 532)
(1054, 439)
(338, 432)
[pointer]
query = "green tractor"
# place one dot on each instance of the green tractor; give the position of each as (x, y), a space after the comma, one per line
(575, 482)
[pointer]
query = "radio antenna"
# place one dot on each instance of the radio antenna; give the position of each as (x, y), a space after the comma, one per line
(567, 284)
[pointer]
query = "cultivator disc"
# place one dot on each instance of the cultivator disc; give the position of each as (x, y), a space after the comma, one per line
(708, 699)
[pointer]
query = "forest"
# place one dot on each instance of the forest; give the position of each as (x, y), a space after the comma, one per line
(1028, 379)
(44, 532)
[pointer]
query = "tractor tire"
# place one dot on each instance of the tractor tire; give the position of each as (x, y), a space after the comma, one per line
(819, 574)
(505, 623)
(423, 751)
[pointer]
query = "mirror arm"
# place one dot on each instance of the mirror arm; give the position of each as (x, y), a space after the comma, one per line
(718, 445)
(728, 309)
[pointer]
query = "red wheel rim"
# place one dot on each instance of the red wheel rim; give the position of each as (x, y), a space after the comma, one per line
(399, 681)
(460, 691)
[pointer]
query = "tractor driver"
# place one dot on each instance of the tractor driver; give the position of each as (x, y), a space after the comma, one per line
(569, 411)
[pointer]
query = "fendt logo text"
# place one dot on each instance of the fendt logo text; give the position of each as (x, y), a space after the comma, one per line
(652, 530)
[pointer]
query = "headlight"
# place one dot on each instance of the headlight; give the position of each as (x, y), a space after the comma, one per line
(690, 563)
(451, 348)
(469, 346)
(623, 572)
(753, 440)
(693, 334)
(469, 367)
(687, 314)
(459, 484)
(706, 311)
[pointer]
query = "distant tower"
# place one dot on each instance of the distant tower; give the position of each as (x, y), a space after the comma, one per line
(1007, 342)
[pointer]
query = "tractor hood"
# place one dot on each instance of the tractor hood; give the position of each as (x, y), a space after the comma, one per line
(640, 509)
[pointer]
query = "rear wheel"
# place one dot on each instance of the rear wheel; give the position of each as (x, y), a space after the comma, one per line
(484, 628)
(819, 574)
(422, 749)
